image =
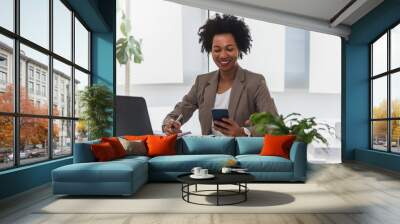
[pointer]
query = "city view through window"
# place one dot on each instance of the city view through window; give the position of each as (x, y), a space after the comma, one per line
(38, 118)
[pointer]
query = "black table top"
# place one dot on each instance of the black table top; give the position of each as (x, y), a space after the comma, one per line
(220, 178)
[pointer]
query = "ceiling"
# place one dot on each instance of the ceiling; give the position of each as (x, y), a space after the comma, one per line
(326, 16)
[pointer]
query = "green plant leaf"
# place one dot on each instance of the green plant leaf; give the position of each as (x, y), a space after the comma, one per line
(97, 105)
(305, 129)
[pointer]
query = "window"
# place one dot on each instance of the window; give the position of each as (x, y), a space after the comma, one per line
(62, 74)
(37, 74)
(43, 90)
(385, 94)
(3, 73)
(3, 61)
(62, 29)
(6, 73)
(81, 45)
(3, 78)
(38, 89)
(34, 21)
(30, 87)
(7, 14)
(45, 131)
(30, 72)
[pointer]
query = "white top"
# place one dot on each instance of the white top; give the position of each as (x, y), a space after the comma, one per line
(221, 102)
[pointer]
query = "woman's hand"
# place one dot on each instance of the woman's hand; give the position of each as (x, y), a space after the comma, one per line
(229, 127)
(172, 127)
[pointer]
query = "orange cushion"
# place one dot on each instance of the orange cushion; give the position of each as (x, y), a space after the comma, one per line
(161, 145)
(116, 145)
(136, 137)
(103, 151)
(277, 145)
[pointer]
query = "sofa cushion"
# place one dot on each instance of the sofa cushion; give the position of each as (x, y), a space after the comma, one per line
(134, 147)
(277, 145)
(161, 145)
(111, 171)
(116, 145)
(249, 145)
(185, 163)
(195, 145)
(103, 152)
(257, 163)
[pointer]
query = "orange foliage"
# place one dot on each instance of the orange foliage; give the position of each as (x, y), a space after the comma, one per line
(33, 130)
(380, 127)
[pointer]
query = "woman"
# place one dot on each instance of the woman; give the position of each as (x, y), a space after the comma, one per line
(231, 87)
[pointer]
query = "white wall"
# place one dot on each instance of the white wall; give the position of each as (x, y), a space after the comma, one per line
(325, 63)
(160, 28)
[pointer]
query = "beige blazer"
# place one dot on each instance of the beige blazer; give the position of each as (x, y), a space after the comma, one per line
(249, 94)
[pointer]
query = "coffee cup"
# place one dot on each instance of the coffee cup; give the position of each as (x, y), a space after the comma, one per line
(226, 170)
(196, 171)
(203, 172)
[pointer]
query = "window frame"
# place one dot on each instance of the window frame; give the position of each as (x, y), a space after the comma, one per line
(388, 74)
(16, 114)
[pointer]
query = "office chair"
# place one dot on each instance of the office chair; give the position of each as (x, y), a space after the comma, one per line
(132, 117)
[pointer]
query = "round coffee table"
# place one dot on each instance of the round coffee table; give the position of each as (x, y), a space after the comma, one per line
(238, 179)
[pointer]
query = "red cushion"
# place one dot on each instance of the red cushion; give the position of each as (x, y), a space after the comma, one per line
(103, 151)
(277, 145)
(161, 145)
(116, 145)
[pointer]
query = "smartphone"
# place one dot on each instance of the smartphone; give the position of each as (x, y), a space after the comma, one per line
(218, 114)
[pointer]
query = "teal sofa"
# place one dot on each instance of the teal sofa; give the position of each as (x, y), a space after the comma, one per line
(125, 176)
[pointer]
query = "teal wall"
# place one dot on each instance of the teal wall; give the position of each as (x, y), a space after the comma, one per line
(99, 16)
(356, 101)
(103, 62)
(24, 178)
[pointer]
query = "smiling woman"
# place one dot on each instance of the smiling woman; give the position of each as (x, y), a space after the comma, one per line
(231, 87)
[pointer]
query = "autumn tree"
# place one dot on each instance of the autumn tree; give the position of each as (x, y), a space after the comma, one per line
(33, 131)
(380, 127)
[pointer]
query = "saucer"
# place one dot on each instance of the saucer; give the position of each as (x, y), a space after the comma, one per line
(208, 176)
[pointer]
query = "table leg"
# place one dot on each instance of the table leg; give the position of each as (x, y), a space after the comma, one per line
(245, 193)
(217, 194)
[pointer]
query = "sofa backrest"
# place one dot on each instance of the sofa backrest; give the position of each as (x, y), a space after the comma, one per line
(192, 145)
(249, 145)
(83, 152)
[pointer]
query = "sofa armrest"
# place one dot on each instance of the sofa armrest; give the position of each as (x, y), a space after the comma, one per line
(83, 152)
(298, 155)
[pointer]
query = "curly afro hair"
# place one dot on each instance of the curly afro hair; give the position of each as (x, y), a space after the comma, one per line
(225, 24)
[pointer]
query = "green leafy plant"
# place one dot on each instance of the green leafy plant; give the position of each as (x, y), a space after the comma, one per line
(96, 102)
(128, 47)
(305, 129)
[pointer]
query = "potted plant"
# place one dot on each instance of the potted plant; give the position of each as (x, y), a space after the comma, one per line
(128, 48)
(96, 102)
(305, 129)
